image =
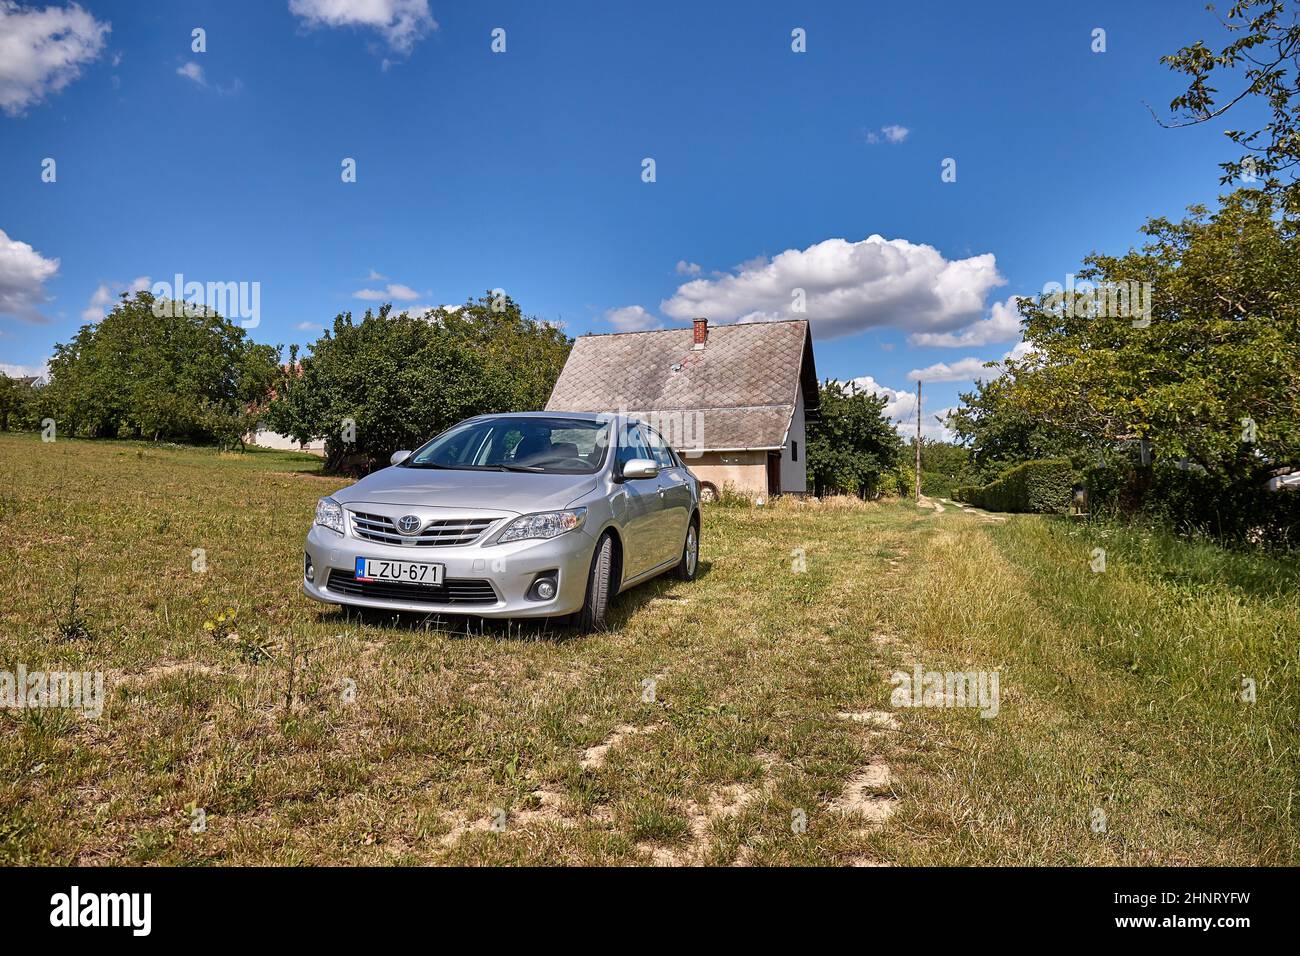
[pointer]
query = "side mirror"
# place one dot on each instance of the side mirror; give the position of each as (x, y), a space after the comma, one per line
(399, 456)
(640, 468)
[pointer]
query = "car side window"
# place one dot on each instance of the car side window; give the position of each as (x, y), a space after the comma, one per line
(659, 449)
(632, 445)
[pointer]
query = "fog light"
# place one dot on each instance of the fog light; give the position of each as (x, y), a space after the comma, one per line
(307, 569)
(545, 589)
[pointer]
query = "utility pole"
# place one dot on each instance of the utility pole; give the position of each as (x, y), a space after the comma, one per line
(918, 440)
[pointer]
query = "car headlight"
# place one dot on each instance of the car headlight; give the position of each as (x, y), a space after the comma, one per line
(547, 524)
(329, 514)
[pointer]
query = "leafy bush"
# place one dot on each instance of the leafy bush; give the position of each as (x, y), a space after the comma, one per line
(902, 481)
(1038, 487)
(936, 485)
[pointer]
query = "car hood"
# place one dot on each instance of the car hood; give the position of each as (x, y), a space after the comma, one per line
(510, 491)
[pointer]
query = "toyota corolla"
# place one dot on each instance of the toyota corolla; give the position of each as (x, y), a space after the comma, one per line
(540, 514)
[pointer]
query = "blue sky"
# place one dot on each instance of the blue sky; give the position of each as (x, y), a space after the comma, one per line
(523, 170)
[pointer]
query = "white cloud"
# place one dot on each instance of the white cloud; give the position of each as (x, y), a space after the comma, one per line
(106, 294)
(631, 318)
(393, 292)
(402, 23)
(23, 371)
(685, 268)
(932, 425)
(43, 50)
(888, 134)
(971, 369)
(898, 405)
(963, 370)
(99, 300)
(23, 274)
(848, 287)
(309, 327)
(1019, 351)
(376, 277)
(1002, 325)
(192, 71)
(416, 310)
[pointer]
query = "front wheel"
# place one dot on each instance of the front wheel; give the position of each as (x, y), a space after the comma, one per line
(690, 562)
(599, 585)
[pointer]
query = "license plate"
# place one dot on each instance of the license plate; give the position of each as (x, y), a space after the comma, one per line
(407, 572)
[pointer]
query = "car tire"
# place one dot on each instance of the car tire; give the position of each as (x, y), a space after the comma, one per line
(689, 565)
(599, 587)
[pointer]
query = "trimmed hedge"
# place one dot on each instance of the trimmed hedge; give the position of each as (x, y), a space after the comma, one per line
(1038, 487)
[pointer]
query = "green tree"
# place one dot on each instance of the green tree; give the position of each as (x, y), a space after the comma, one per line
(1261, 65)
(524, 355)
(852, 447)
(146, 375)
(18, 404)
(1199, 400)
(997, 430)
(1222, 347)
(393, 381)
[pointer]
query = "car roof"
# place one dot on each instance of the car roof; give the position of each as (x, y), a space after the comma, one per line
(577, 416)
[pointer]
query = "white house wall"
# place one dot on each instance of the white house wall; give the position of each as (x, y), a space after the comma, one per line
(794, 474)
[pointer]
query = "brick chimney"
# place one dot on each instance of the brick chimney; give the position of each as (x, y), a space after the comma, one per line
(701, 333)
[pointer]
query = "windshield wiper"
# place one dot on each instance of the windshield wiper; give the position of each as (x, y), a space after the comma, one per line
(423, 464)
(503, 467)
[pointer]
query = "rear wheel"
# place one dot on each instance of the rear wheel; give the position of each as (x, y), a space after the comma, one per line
(600, 584)
(690, 562)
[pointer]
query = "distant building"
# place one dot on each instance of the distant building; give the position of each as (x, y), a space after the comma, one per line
(265, 438)
(733, 399)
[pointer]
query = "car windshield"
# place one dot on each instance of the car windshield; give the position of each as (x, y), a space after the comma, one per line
(558, 446)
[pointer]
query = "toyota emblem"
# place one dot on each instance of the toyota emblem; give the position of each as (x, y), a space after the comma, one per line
(409, 524)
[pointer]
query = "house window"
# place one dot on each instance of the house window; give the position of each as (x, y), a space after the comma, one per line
(794, 451)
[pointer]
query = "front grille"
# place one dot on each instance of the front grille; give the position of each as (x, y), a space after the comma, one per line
(451, 591)
(444, 533)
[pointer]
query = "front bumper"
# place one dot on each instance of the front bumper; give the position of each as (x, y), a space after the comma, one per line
(510, 569)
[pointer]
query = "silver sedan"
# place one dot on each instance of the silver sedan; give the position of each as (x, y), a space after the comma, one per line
(539, 514)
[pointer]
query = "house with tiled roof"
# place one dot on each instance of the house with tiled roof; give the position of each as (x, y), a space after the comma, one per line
(732, 399)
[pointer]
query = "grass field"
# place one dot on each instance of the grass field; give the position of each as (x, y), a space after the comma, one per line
(744, 718)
